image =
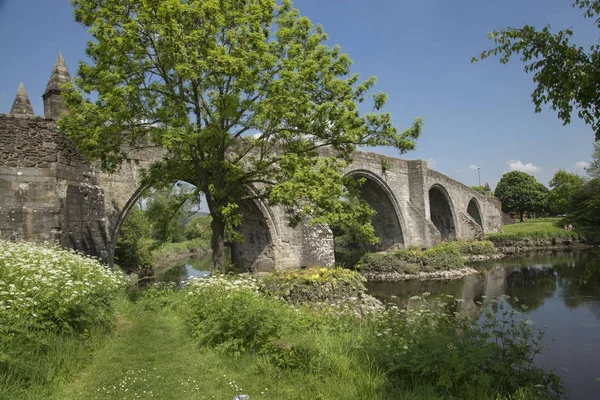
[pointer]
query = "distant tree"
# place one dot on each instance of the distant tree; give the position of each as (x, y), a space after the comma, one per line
(520, 193)
(593, 169)
(241, 93)
(199, 227)
(585, 205)
(567, 75)
(168, 210)
(478, 189)
(563, 186)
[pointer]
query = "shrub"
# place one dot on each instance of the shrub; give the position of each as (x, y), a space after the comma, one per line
(441, 258)
(46, 288)
(48, 297)
(314, 285)
(231, 314)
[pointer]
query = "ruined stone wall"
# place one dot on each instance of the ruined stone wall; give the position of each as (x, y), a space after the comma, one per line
(48, 191)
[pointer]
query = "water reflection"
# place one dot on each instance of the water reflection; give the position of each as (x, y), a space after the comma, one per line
(561, 291)
(195, 267)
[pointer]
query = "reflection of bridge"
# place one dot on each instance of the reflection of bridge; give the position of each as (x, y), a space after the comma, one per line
(50, 193)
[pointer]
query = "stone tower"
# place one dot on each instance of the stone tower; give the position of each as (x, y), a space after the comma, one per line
(21, 106)
(53, 104)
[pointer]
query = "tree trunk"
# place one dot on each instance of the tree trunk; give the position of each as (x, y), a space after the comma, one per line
(218, 241)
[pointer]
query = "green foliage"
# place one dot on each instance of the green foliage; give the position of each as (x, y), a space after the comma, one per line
(314, 285)
(230, 314)
(520, 192)
(536, 232)
(199, 227)
(167, 211)
(585, 205)
(475, 248)
(440, 258)
(593, 169)
(386, 354)
(479, 189)
(131, 252)
(51, 300)
(197, 89)
(423, 346)
(567, 75)
(563, 186)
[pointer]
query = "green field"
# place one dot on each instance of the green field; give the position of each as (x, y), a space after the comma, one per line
(538, 228)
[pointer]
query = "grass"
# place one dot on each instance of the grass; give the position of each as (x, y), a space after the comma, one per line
(534, 229)
(152, 355)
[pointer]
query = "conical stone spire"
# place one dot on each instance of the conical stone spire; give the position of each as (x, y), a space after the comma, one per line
(53, 105)
(21, 106)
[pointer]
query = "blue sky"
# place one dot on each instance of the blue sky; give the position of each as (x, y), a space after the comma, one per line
(475, 114)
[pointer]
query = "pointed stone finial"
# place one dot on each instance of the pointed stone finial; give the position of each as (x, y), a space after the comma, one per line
(53, 105)
(22, 106)
(487, 190)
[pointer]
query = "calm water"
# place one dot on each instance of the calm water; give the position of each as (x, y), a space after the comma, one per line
(195, 267)
(562, 294)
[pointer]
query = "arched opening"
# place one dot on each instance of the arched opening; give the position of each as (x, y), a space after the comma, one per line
(387, 221)
(255, 253)
(441, 212)
(474, 211)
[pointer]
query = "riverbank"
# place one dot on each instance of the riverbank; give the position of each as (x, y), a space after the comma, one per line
(231, 335)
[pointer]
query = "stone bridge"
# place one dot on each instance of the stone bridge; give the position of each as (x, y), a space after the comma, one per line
(49, 193)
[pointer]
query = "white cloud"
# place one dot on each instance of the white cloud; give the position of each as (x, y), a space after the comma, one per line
(474, 167)
(582, 164)
(516, 165)
(431, 163)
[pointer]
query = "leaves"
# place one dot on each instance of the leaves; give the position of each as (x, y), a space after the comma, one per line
(244, 96)
(567, 75)
(520, 192)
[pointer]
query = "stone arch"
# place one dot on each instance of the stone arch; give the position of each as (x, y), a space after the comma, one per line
(257, 227)
(474, 211)
(441, 212)
(388, 222)
(257, 251)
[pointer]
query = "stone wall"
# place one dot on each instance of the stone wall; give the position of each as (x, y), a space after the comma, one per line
(48, 192)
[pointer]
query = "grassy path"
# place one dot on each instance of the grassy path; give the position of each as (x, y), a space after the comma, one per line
(151, 356)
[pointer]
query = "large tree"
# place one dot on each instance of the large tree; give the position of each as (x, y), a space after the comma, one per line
(563, 186)
(520, 193)
(567, 75)
(242, 94)
(593, 169)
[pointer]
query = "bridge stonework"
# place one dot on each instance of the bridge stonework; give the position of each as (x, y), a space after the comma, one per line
(48, 192)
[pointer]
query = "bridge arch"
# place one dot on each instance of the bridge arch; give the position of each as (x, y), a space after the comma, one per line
(257, 227)
(257, 251)
(441, 212)
(474, 211)
(388, 222)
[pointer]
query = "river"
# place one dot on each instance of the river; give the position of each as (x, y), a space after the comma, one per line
(560, 292)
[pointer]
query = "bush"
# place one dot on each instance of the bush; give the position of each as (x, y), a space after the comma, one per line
(440, 258)
(230, 313)
(48, 295)
(314, 285)
(434, 346)
(49, 289)
(132, 253)
(380, 355)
